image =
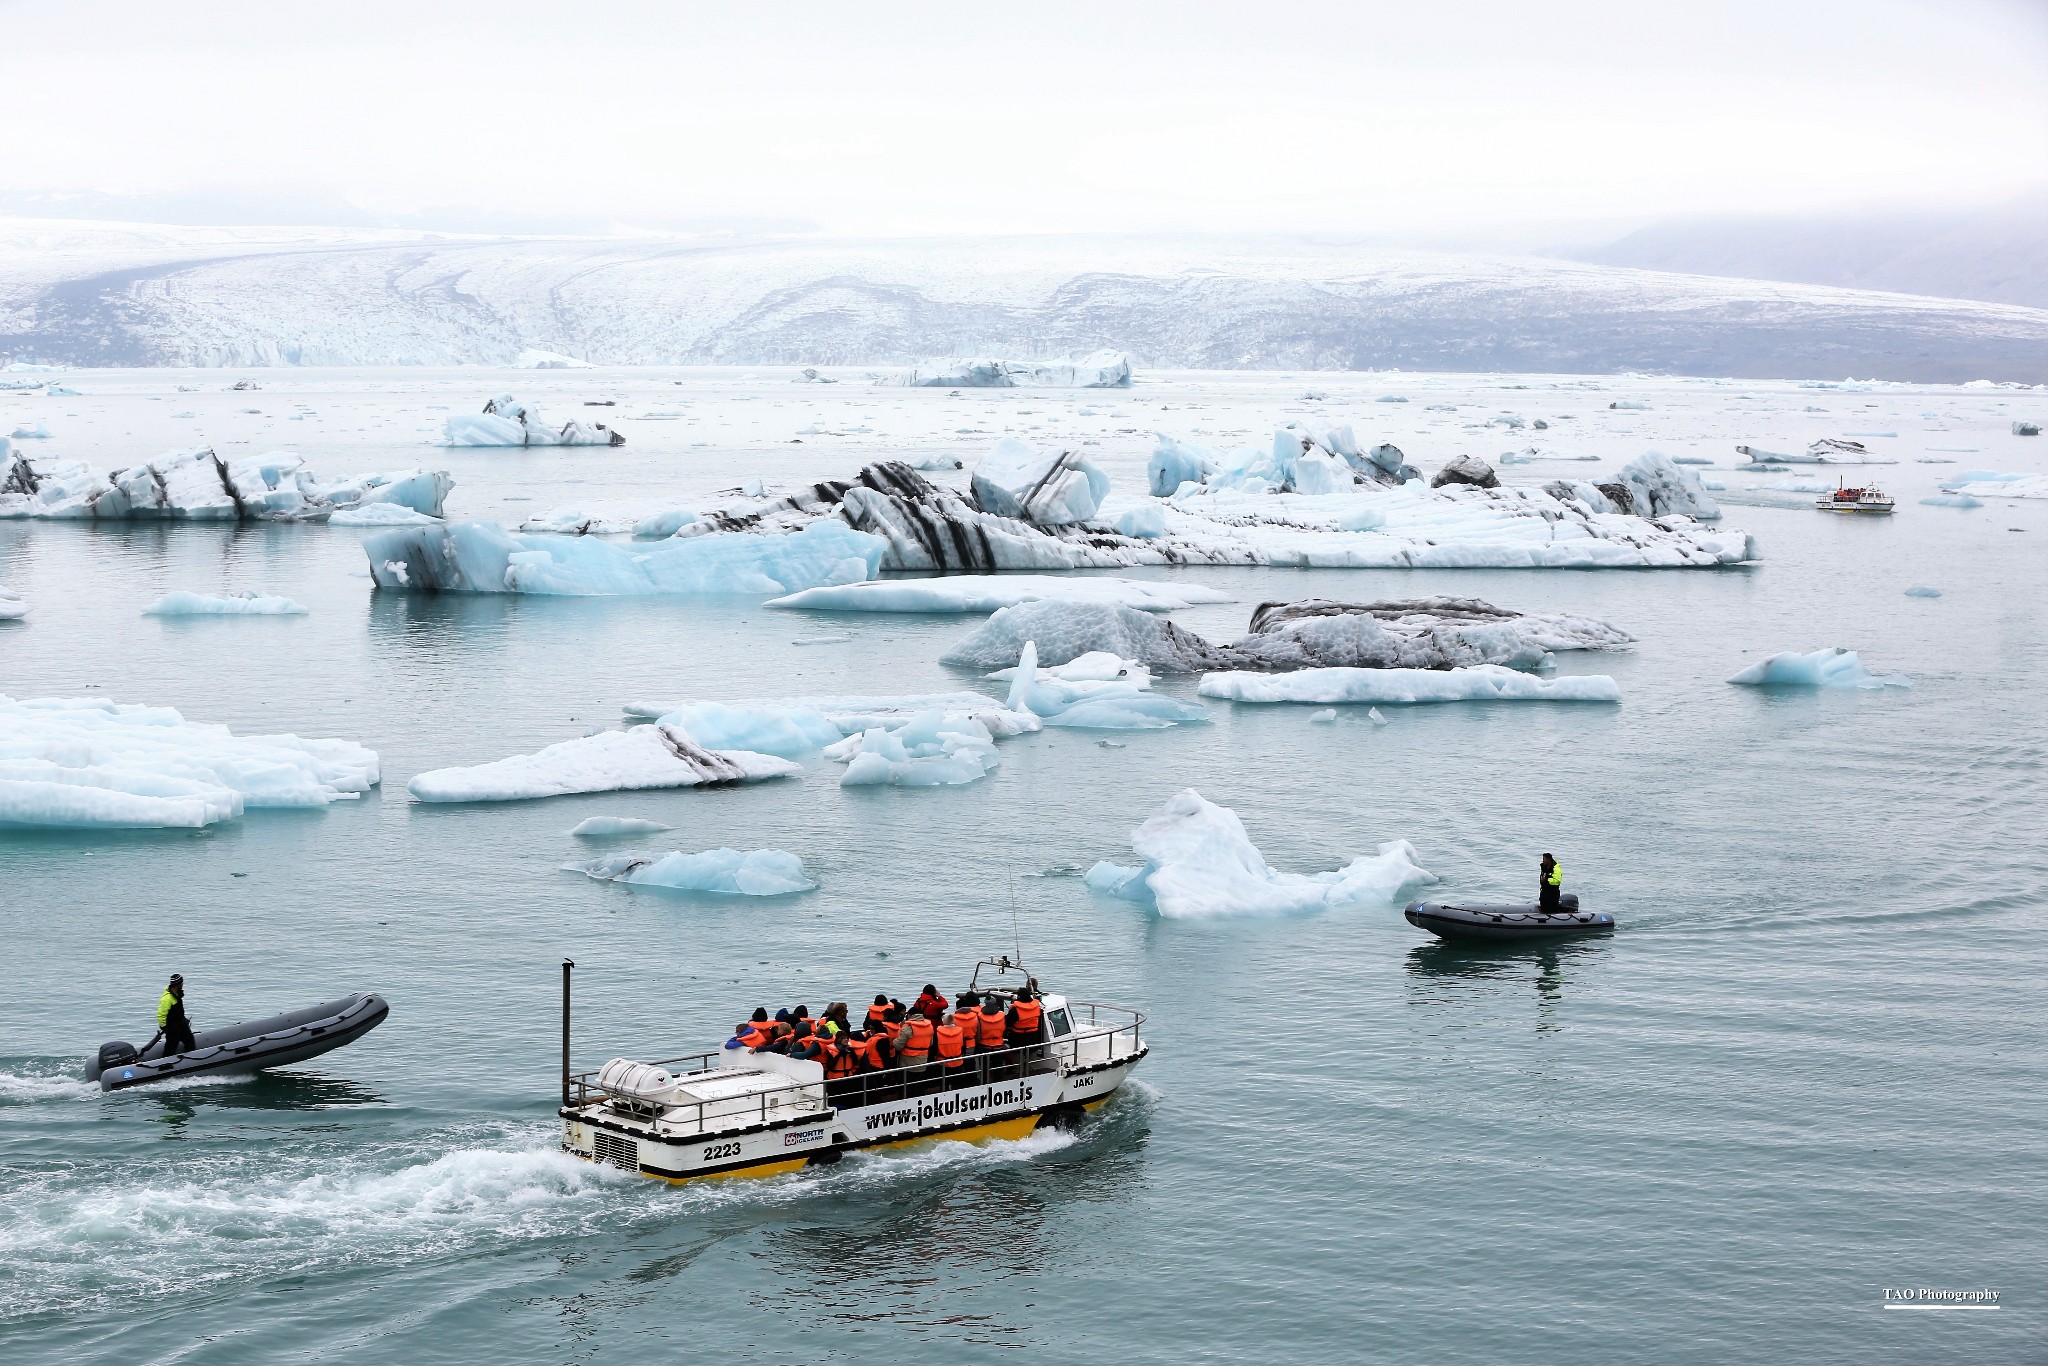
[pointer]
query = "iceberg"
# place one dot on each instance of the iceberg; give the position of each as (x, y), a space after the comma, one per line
(1059, 489)
(1835, 668)
(1951, 500)
(184, 604)
(1200, 863)
(786, 731)
(505, 421)
(380, 514)
(1992, 484)
(1479, 683)
(2026, 429)
(1411, 633)
(1174, 463)
(93, 762)
(1101, 370)
(757, 872)
(610, 761)
(1143, 522)
(13, 606)
(482, 557)
(858, 713)
(1095, 692)
(935, 749)
(1466, 469)
(1923, 592)
(1659, 487)
(1826, 451)
(200, 485)
(1308, 458)
(531, 359)
(988, 593)
(605, 827)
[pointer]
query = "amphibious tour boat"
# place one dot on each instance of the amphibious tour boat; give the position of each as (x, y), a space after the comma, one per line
(738, 1112)
(1868, 499)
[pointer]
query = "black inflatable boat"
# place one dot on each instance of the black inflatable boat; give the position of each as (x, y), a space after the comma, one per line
(247, 1047)
(1519, 921)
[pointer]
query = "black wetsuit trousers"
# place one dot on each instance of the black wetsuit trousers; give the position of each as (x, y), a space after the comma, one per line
(178, 1036)
(1546, 899)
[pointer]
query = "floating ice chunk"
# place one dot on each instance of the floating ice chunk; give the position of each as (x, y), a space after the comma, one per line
(1097, 666)
(1835, 668)
(1068, 630)
(200, 485)
(1923, 592)
(94, 762)
(757, 872)
(988, 593)
(661, 525)
(505, 421)
(1951, 500)
(939, 462)
(482, 557)
(1992, 484)
(1373, 715)
(2018, 429)
(1466, 469)
(787, 731)
(1630, 405)
(936, 749)
(1143, 521)
(531, 359)
(1174, 463)
(604, 827)
(1326, 714)
(1480, 683)
(1055, 489)
(1200, 863)
(13, 606)
(1086, 695)
(1826, 451)
(184, 604)
(854, 714)
(610, 761)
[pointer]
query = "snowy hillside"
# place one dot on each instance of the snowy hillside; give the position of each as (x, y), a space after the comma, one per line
(126, 295)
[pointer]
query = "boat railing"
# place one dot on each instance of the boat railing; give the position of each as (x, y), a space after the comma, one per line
(1108, 1032)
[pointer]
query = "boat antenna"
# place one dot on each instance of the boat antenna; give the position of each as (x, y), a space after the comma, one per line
(1016, 935)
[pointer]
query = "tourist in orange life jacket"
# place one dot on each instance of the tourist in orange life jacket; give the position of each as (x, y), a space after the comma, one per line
(914, 1043)
(930, 1004)
(949, 1044)
(1026, 1025)
(834, 1021)
(988, 1029)
(755, 1033)
(878, 1013)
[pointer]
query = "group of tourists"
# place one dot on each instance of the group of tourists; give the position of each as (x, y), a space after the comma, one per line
(926, 1040)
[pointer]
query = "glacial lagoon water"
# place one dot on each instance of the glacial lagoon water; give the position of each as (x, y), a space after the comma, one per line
(1808, 1068)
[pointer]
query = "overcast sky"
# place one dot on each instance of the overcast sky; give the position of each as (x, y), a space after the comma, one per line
(1037, 116)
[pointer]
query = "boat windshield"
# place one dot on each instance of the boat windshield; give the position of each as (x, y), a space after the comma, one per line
(1060, 1025)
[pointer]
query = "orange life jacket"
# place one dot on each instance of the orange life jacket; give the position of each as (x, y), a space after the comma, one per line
(947, 1040)
(991, 1027)
(1027, 1013)
(876, 1018)
(755, 1034)
(838, 1058)
(916, 1036)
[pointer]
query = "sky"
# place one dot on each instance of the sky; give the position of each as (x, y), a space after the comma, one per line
(893, 118)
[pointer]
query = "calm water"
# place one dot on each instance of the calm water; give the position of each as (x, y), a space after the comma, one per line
(1810, 1066)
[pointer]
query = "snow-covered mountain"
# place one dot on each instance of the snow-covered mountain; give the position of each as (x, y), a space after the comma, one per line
(137, 295)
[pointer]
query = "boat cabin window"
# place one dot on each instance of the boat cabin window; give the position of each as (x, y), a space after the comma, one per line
(1060, 1025)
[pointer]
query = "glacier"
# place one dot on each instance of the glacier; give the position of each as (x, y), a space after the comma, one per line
(200, 485)
(1478, 683)
(91, 762)
(1414, 633)
(505, 421)
(757, 872)
(186, 604)
(1831, 668)
(987, 593)
(482, 557)
(1200, 864)
(610, 761)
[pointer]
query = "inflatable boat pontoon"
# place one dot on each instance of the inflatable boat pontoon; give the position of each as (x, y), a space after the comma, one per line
(248, 1047)
(1518, 921)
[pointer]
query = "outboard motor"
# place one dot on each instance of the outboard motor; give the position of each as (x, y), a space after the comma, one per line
(112, 1055)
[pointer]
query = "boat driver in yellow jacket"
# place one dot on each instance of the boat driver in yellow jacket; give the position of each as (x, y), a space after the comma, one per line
(170, 1018)
(1550, 885)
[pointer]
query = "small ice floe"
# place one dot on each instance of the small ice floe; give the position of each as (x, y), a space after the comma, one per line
(1326, 714)
(764, 728)
(1920, 592)
(605, 827)
(93, 762)
(1630, 405)
(13, 606)
(940, 462)
(199, 485)
(729, 872)
(1826, 451)
(1993, 484)
(609, 761)
(531, 359)
(1951, 500)
(30, 431)
(1479, 683)
(1373, 715)
(854, 714)
(1200, 863)
(184, 604)
(841, 639)
(505, 421)
(2018, 429)
(1835, 668)
(380, 514)
(989, 592)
